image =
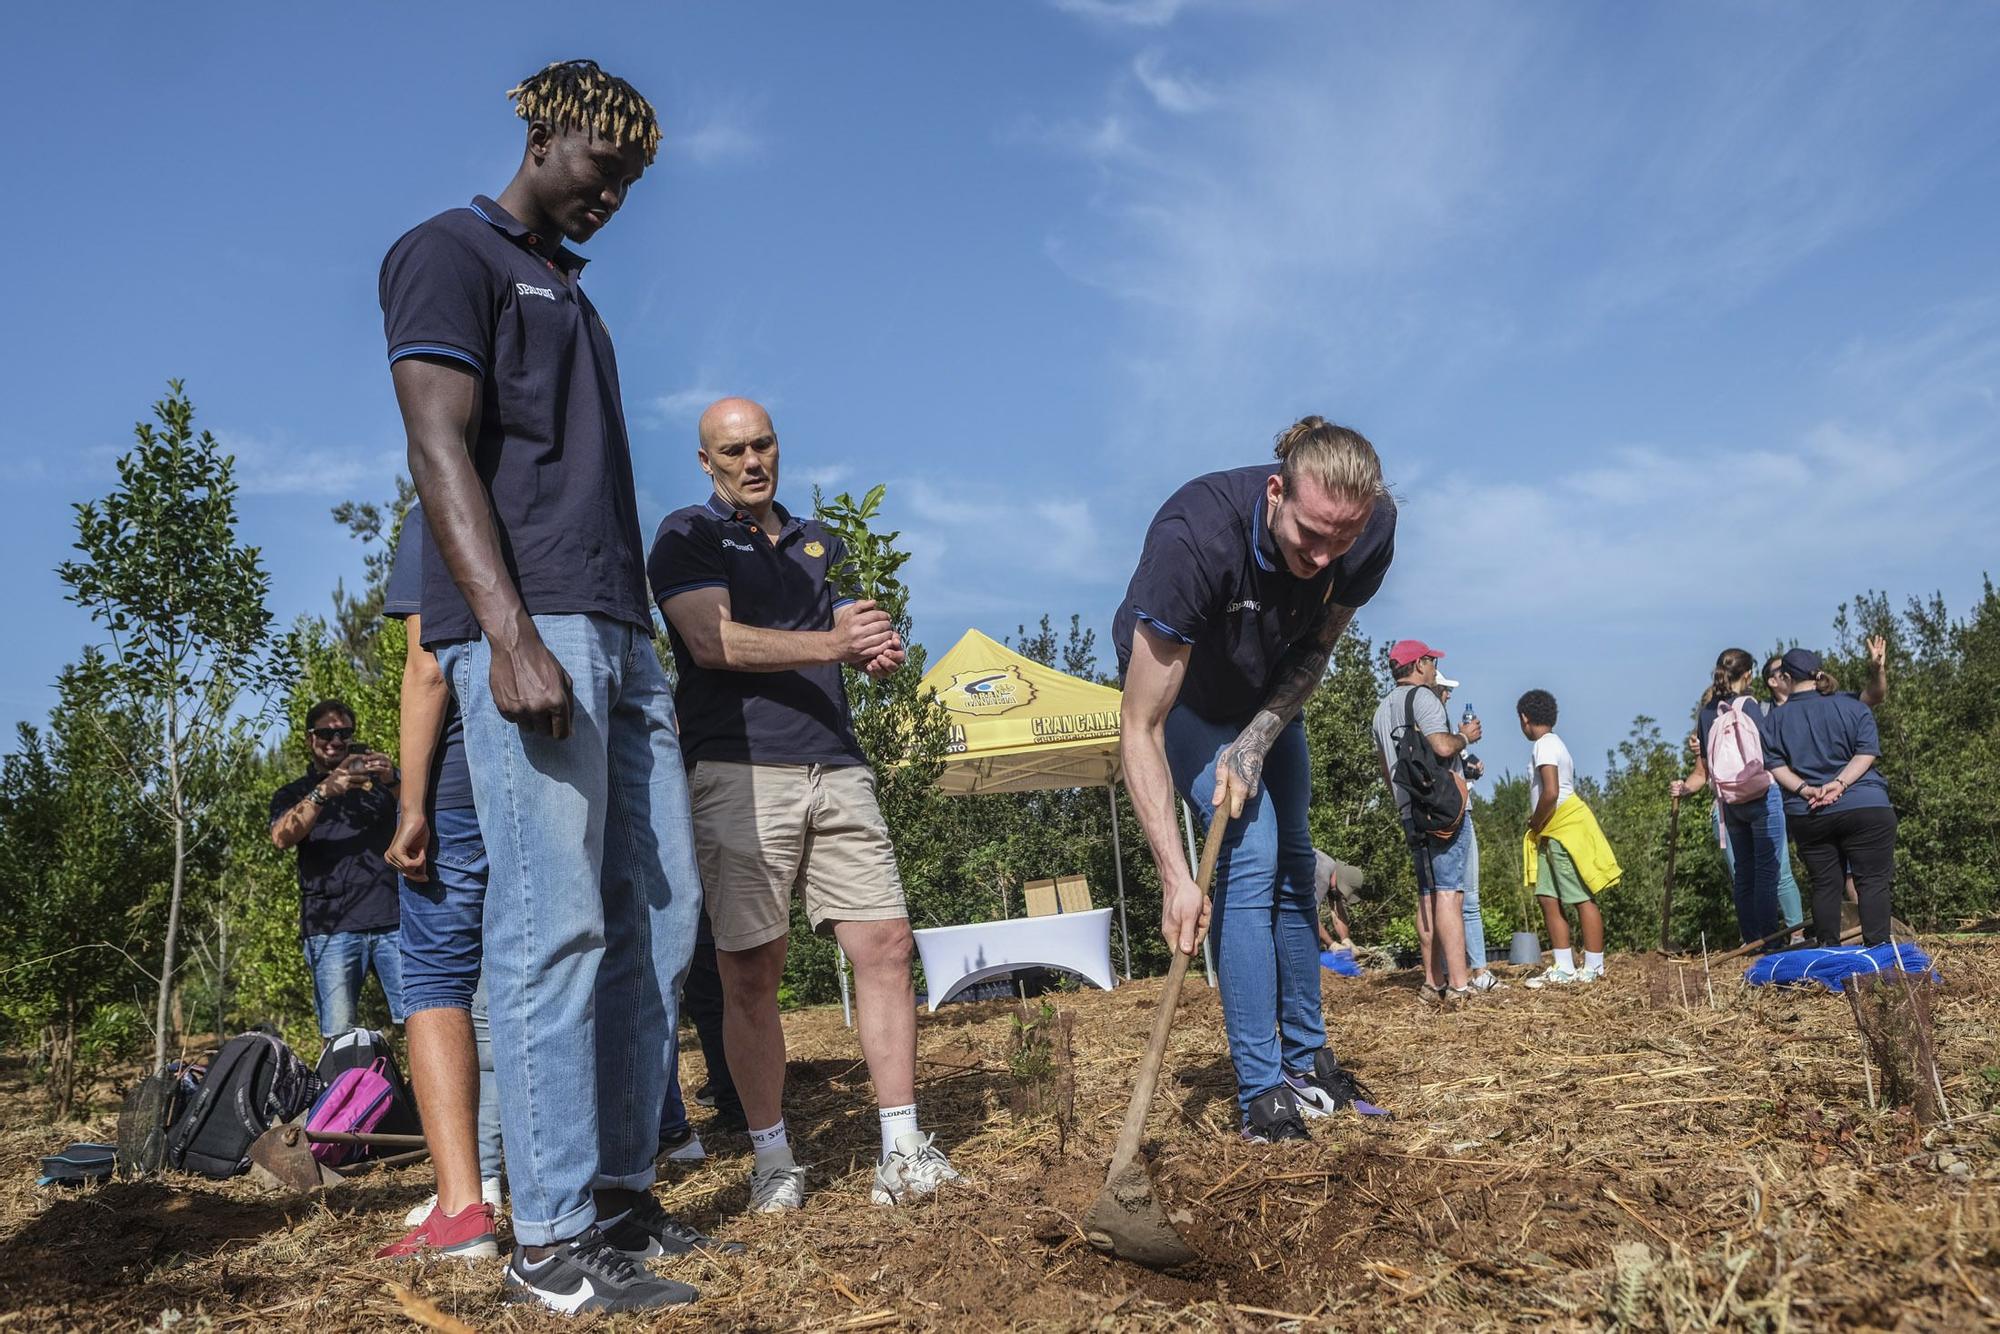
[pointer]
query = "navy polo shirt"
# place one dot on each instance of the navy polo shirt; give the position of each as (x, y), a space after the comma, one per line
(1814, 736)
(344, 882)
(1211, 576)
(474, 286)
(795, 717)
(451, 781)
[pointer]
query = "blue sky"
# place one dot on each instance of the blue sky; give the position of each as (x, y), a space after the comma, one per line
(1674, 325)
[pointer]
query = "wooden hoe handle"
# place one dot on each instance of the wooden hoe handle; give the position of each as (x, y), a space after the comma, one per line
(1163, 1016)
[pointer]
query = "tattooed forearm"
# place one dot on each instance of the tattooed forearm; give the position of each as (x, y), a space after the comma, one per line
(1297, 676)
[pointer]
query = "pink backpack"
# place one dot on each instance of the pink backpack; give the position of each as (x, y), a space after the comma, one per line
(1736, 753)
(353, 1104)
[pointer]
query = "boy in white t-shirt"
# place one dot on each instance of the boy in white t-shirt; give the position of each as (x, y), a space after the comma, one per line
(1558, 882)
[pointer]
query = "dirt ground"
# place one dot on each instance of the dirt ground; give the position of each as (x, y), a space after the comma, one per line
(1628, 1155)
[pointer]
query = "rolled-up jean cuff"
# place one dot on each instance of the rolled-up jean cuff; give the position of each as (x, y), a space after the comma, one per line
(418, 1004)
(636, 1181)
(575, 1223)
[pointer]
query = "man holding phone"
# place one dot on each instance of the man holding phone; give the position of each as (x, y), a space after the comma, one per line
(340, 815)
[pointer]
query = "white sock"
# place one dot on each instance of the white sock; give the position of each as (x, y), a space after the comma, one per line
(896, 1121)
(1593, 961)
(1565, 959)
(770, 1148)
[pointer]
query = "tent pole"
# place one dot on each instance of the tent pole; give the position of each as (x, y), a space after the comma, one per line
(1118, 866)
(1207, 947)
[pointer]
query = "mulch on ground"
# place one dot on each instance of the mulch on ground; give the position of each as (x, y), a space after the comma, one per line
(1625, 1155)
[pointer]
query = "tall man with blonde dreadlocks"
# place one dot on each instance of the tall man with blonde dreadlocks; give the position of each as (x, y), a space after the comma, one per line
(534, 600)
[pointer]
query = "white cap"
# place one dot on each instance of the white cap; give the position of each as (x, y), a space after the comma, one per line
(1447, 683)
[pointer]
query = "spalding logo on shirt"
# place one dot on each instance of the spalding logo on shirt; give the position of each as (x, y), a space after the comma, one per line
(1247, 604)
(526, 289)
(734, 545)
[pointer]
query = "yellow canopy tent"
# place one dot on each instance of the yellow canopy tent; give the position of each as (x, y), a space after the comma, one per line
(1018, 726)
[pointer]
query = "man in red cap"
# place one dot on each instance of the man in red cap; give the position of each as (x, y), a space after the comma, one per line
(1428, 779)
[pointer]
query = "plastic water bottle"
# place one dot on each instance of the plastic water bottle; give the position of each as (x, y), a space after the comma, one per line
(1466, 717)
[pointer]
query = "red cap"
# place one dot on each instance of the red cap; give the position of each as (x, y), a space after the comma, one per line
(1406, 651)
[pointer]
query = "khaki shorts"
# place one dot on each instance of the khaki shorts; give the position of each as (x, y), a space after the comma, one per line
(1556, 876)
(763, 830)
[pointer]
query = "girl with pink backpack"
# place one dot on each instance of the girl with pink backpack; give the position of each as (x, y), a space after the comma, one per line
(1730, 739)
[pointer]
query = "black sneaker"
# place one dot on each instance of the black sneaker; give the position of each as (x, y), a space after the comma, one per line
(588, 1273)
(686, 1147)
(729, 1120)
(646, 1230)
(705, 1095)
(1274, 1117)
(1326, 1089)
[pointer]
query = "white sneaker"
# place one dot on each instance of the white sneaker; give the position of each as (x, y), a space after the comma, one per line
(775, 1190)
(686, 1149)
(1559, 976)
(489, 1193)
(915, 1168)
(1589, 974)
(1485, 981)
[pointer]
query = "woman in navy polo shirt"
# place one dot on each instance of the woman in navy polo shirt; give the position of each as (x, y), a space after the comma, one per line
(1821, 749)
(1247, 579)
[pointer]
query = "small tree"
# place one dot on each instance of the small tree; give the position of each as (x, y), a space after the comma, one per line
(183, 602)
(77, 873)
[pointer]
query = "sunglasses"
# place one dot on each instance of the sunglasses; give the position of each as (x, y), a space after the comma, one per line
(333, 733)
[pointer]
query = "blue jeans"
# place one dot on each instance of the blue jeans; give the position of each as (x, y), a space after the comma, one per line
(1791, 906)
(1265, 913)
(441, 935)
(340, 961)
(590, 916)
(1755, 831)
(1475, 925)
(673, 1111)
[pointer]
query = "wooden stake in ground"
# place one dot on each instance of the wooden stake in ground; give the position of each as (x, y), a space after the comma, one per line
(1667, 889)
(1126, 1218)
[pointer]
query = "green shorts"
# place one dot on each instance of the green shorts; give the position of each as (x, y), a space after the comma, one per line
(1556, 876)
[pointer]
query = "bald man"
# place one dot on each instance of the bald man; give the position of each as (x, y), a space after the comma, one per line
(782, 796)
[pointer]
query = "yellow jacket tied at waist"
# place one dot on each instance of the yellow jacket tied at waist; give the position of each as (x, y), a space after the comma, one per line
(1575, 827)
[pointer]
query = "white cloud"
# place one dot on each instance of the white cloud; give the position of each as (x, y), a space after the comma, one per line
(1177, 93)
(712, 126)
(1126, 13)
(22, 467)
(683, 407)
(716, 142)
(278, 466)
(1895, 488)
(1471, 187)
(978, 551)
(826, 476)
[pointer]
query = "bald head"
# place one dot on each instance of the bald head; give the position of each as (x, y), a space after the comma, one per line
(733, 418)
(739, 451)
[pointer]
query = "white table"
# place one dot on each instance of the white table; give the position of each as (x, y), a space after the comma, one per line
(956, 957)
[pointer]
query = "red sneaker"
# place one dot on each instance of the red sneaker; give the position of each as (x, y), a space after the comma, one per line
(467, 1234)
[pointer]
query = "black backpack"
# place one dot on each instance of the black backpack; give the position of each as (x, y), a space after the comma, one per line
(1437, 795)
(254, 1083)
(360, 1049)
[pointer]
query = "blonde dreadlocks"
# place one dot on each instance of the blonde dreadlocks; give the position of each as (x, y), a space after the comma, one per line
(576, 94)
